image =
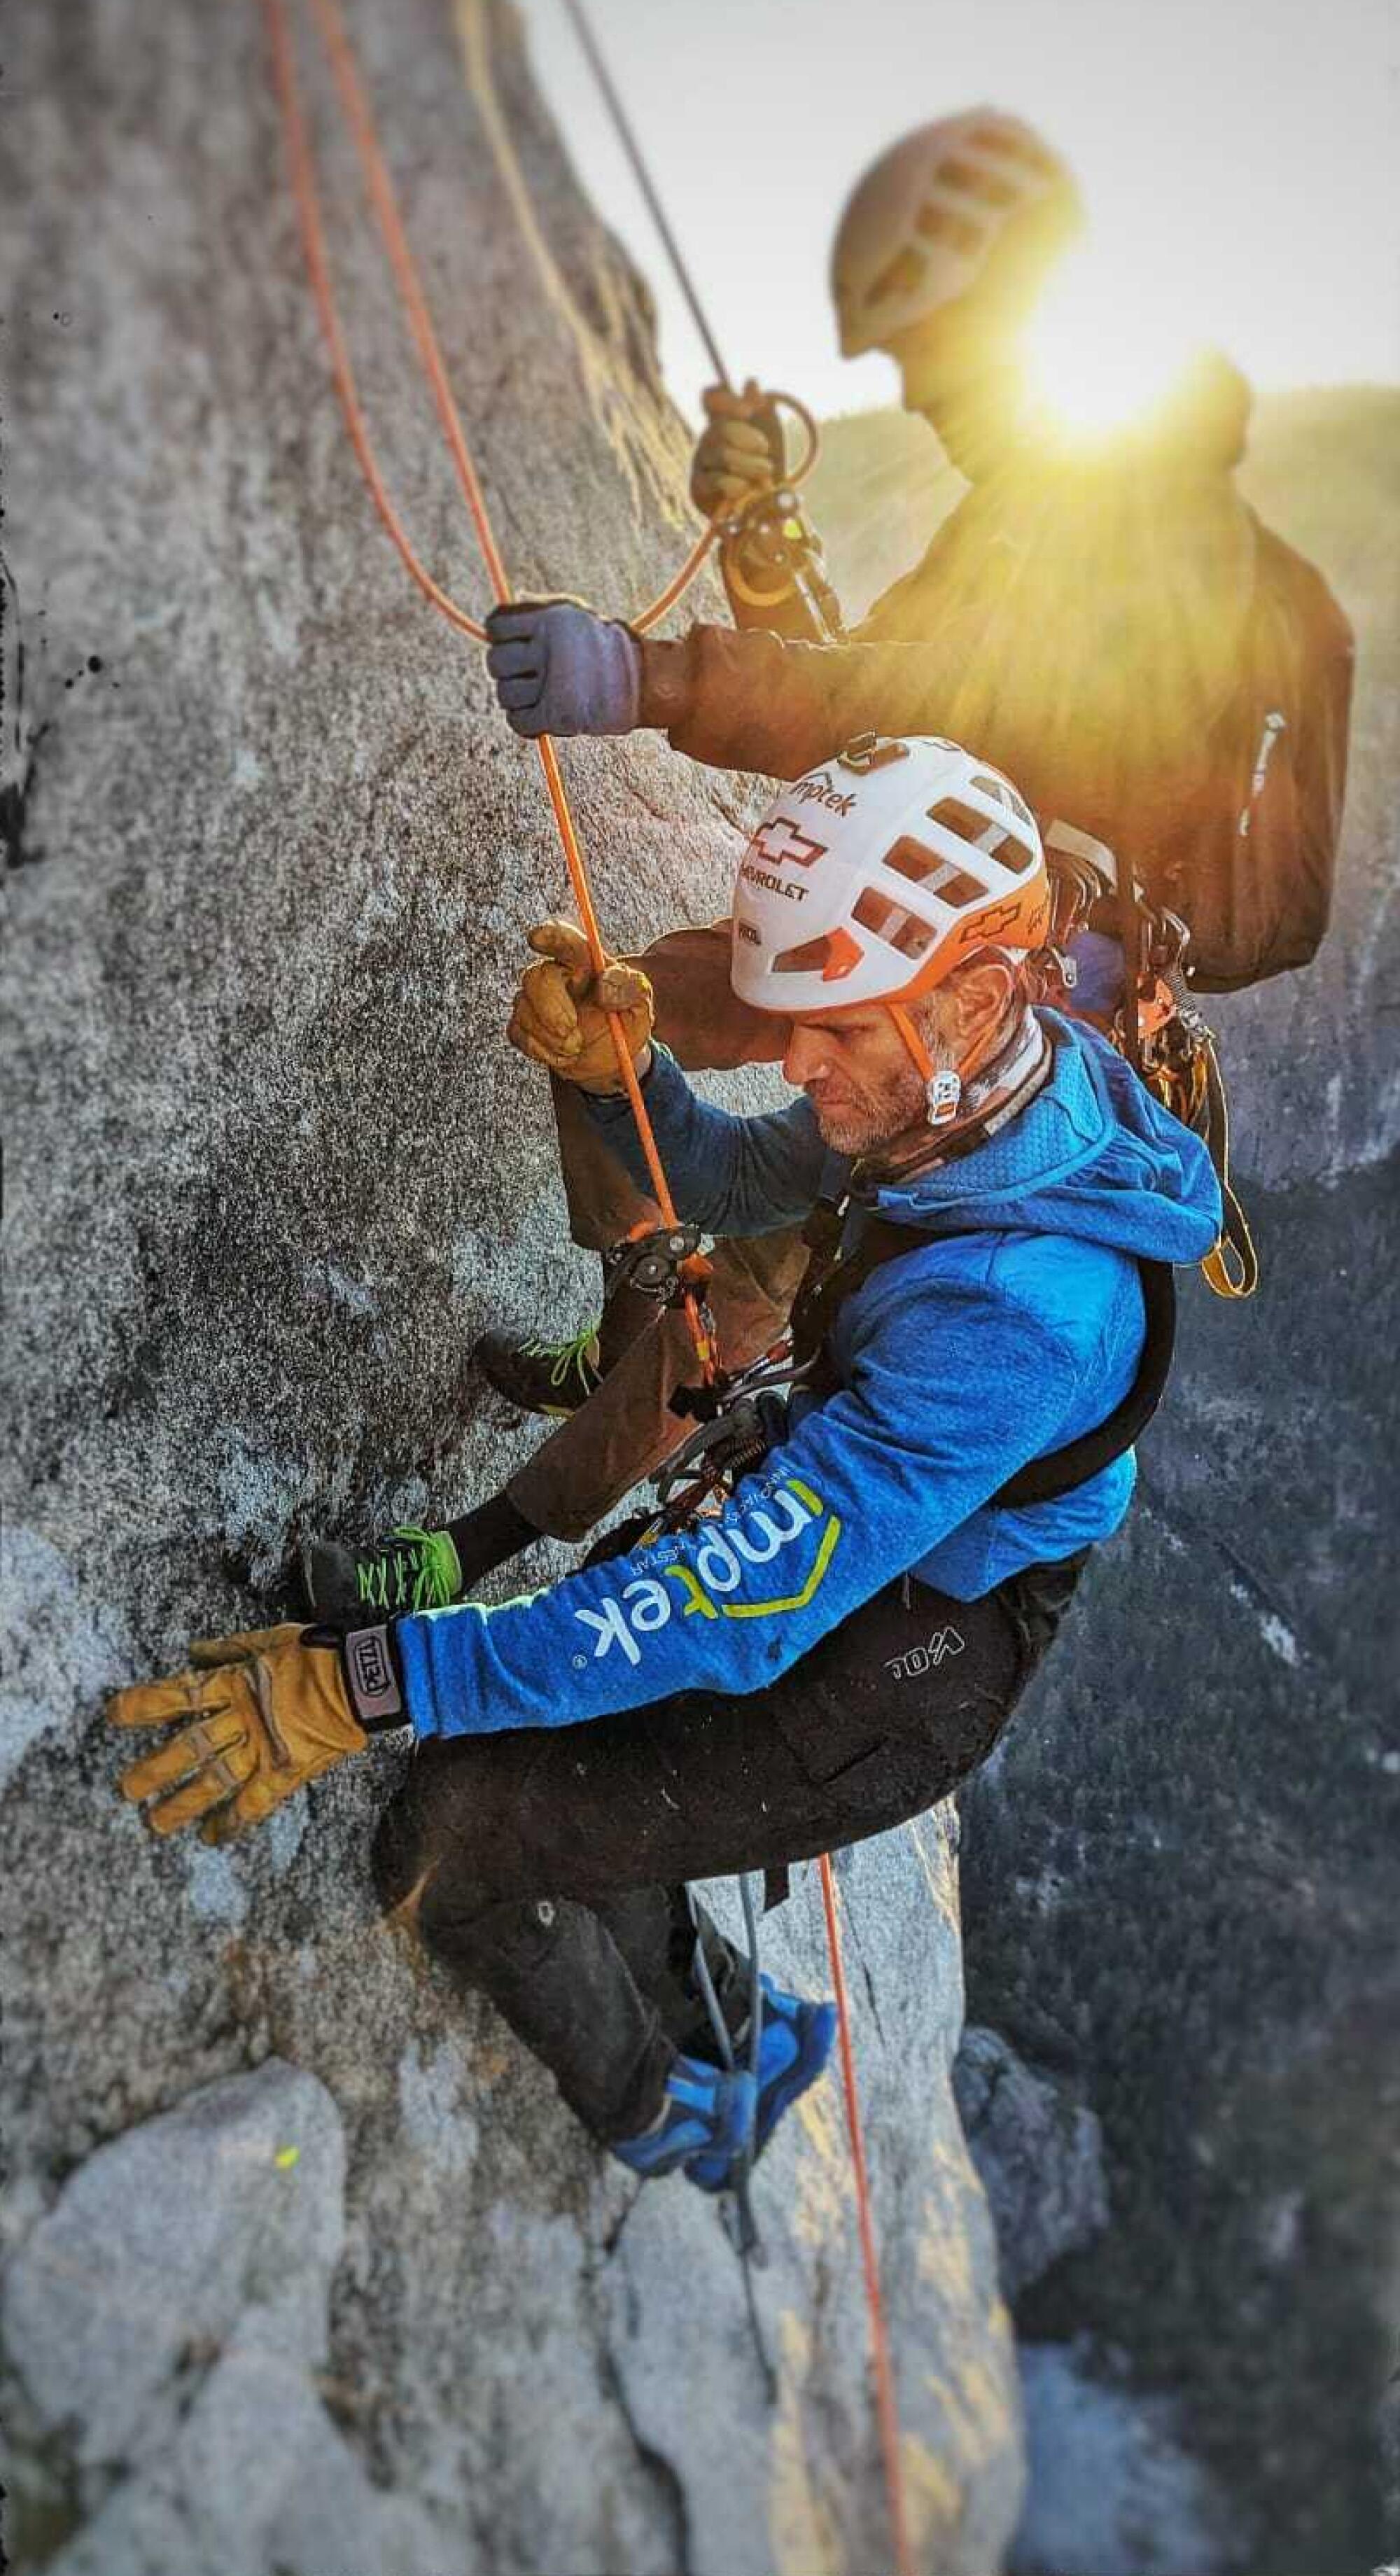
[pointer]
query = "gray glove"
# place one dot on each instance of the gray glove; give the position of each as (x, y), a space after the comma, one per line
(559, 669)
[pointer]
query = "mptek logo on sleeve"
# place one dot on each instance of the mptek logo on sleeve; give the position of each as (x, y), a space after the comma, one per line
(702, 1586)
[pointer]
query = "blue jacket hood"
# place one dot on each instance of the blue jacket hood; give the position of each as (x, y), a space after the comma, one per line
(1094, 1157)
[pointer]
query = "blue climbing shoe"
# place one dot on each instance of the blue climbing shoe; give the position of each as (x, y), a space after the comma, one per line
(794, 2045)
(704, 2108)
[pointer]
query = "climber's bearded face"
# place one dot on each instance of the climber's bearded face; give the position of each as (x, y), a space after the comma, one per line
(859, 1076)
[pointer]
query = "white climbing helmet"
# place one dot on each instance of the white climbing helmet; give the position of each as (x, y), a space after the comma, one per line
(873, 877)
(924, 222)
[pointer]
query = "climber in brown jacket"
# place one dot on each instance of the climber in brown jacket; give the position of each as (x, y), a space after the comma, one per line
(1087, 617)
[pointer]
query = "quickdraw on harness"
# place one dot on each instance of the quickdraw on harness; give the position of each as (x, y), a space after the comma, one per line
(1158, 1027)
(665, 1261)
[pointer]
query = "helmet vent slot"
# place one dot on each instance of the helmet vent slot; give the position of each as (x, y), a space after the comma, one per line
(1011, 146)
(965, 822)
(929, 869)
(890, 922)
(809, 959)
(938, 223)
(900, 278)
(970, 180)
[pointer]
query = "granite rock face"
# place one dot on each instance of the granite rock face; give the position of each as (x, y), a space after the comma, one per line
(172, 2311)
(274, 854)
(1038, 2154)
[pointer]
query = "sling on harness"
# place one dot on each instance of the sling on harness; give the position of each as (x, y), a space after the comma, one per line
(1157, 1028)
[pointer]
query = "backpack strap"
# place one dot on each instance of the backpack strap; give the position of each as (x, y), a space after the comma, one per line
(1042, 1480)
(1049, 1479)
(1232, 1268)
(829, 1279)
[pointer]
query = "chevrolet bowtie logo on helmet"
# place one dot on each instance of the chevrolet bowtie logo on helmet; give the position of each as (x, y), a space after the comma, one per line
(938, 857)
(994, 924)
(778, 837)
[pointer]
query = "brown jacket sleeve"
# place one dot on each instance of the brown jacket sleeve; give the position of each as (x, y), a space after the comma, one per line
(753, 701)
(1083, 641)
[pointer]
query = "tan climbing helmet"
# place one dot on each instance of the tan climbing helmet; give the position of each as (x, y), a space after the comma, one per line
(931, 215)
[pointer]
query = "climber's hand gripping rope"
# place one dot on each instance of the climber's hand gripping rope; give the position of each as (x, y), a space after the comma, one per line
(740, 450)
(563, 1009)
(560, 668)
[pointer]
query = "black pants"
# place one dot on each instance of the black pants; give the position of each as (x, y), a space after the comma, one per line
(548, 1865)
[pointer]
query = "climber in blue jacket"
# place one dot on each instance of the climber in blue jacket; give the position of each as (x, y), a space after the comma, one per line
(843, 1640)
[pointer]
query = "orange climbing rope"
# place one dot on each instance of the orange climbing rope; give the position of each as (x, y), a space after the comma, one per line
(361, 123)
(360, 120)
(313, 242)
(301, 158)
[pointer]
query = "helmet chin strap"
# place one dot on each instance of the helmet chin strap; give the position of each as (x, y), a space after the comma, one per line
(942, 1088)
(978, 1101)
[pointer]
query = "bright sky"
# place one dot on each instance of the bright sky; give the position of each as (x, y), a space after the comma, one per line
(1238, 157)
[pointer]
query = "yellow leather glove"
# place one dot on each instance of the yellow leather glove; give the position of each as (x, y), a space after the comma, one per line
(736, 455)
(560, 1016)
(266, 1713)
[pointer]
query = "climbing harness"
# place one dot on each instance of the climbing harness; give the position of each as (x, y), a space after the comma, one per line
(743, 1417)
(1158, 1028)
(833, 1277)
(664, 1262)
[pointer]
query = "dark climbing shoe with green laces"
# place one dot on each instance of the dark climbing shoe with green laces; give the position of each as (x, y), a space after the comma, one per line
(541, 1377)
(411, 1569)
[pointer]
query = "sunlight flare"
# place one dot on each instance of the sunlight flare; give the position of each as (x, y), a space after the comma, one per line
(1105, 347)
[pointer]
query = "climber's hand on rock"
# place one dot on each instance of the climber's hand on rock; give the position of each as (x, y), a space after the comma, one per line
(561, 1012)
(735, 456)
(558, 668)
(256, 1716)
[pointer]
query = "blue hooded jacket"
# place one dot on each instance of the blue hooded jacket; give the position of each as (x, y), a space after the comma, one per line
(1015, 1324)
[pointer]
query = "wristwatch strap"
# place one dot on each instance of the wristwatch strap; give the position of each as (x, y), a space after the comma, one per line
(373, 1671)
